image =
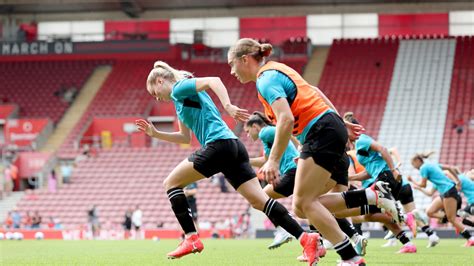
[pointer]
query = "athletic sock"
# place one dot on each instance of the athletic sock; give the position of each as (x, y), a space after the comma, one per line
(346, 227)
(466, 234)
(403, 238)
(358, 228)
(371, 196)
(279, 215)
(181, 210)
(467, 222)
(427, 230)
(345, 249)
(369, 209)
(355, 198)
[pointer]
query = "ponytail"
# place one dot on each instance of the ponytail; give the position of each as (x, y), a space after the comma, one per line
(422, 156)
(251, 47)
(266, 49)
(258, 118)
(163, 70)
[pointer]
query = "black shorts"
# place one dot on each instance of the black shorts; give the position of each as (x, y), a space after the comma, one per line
(326, 144)
(287, 183)
(469, 208)
(228, 156)
(406, 194)
(394, 185)
(451, 193)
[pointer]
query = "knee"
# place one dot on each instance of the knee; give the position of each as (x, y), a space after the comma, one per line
(299, 213)
(167, 184)
(430, 213)
(300, 207)
(297, 208)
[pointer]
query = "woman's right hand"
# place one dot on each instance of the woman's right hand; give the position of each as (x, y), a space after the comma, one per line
(145, 126)
(241, 115)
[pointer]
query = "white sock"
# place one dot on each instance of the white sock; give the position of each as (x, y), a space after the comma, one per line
(188, 235)
(409, 243)
(371, 196)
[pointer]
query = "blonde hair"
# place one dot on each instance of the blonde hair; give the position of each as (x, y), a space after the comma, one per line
(247, 46)
(163, 70)
(422, 156)
(348, 116)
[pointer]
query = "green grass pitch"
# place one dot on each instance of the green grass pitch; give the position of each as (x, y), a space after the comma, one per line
(216, 252)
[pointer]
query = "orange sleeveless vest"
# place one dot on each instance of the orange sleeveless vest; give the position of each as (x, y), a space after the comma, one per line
(307, 104)
(357, 166)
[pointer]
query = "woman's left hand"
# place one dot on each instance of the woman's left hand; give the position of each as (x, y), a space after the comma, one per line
(237, 113)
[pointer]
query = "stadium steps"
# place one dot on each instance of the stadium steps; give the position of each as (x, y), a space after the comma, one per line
(314, 68)
(458, 149)
(74, 113)
(417, 103)
(357, 77)
(8, 203)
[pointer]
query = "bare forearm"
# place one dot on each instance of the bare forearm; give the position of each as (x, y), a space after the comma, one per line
(282, 137)
(258, 161)
(426, 191)
(295, 141)
(453, 177)
(388, 159)
(359, 177)
(419, 184)
(175, 137)
(220, 90)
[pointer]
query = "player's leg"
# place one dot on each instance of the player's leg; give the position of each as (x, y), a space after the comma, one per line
(181, 176)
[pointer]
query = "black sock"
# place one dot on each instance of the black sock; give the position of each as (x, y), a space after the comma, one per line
(346, 227)
(466, 234)
(355, 198)
(427, 230)
(403, 238)
(279, 215)
(369, 209)
(345, 249)
(385, 229)
(358, 228)
(444, 220)
(467, 222)
(313, 229)
(181, 209)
